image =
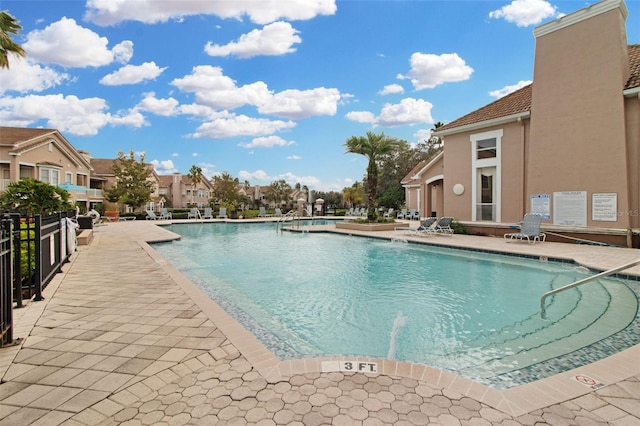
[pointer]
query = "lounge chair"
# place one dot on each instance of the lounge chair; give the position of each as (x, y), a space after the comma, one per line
(529, 229)
(425, 228)
(389, 213)
(262, 212)
(165, 214)
(208, 213)
(193, 213)
(362, 212)
(278, 212)
(443, 226)
(222, 213)
(402, 214)
(151, 215)
(350, 212)
(415, 215)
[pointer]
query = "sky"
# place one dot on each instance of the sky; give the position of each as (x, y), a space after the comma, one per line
(265, 89)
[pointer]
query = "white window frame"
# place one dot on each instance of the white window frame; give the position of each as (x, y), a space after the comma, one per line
(482, 163)
(51, 172)
(68, 177)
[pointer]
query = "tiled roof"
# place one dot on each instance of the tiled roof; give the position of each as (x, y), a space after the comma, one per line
(634, 67)
(14, 135)
(513, 103)
(520, 100)
(102, 166)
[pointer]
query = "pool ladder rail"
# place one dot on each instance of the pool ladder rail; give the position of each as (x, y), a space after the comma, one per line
(543, 311)
(292, 216)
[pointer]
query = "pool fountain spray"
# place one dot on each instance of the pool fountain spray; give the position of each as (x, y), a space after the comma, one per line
(398, 322)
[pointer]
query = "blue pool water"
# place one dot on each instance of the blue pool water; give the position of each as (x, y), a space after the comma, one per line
(316, 294)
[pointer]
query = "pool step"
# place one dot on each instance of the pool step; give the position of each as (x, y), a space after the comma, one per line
(598, 316)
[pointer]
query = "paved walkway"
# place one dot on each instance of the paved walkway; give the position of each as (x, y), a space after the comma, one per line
(123, 338)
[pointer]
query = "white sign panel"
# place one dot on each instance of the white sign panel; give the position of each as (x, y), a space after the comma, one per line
(541, 205)
(350, 366)
(604, 207)
(570, 208)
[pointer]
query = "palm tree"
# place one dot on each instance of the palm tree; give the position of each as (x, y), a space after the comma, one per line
(8, 25)
(372, 146)
(195, 176)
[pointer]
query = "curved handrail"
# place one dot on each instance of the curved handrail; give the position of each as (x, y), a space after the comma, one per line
(543, 311)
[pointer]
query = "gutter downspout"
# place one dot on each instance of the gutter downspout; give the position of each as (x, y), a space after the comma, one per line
(524, 168)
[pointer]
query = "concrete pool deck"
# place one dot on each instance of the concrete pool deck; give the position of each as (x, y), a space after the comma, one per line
(123, 338)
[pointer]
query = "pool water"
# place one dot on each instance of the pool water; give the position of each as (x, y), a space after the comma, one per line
(317, 294)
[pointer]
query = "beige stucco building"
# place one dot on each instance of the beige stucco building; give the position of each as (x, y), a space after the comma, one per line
(567, 146)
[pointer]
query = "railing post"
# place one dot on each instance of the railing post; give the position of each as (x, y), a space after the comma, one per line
(17, 260)
(38, 244)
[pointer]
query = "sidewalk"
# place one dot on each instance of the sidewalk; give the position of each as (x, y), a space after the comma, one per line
(123, 338)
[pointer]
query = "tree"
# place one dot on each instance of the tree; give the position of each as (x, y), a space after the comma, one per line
(9, 25)
(373, 146)
(34, 197)
(278, 191)
(195, 176)
(133, 185)
(225, 189)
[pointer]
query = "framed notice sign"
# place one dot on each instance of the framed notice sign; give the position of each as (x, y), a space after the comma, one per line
(541, 204)
(570, 208)
(604, 207)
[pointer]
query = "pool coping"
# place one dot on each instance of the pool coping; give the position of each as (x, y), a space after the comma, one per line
(515, 401)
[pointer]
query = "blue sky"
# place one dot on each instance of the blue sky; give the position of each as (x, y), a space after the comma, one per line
(265, 89)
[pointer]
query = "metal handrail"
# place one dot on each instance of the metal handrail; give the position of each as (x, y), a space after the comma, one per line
(543, 311)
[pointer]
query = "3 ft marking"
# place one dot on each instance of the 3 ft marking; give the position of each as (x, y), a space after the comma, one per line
(359, 366)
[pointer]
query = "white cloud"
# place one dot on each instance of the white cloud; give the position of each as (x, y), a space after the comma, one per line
(164, 107)
(68, 44)
(302, 103)
(429, 70)
(509, 89)
(294, 157)
(69, 114)
(123, 52)
(525, 12)
(110, 12)
(132, 74)
(361, 116)
(260, 177)
(408, 112)
(422, 134)
(266, 142)
(273, 39)
(391, 89)
(25, 76)
(215, 90)
(164, 167)
(240, 126)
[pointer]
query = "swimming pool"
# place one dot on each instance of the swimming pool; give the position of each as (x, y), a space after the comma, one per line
(308, 294)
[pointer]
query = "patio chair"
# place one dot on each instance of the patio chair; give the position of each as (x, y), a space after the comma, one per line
(529, 229)
(151, 215)
(425, 228)
(388, 213)
(165, 214)
(262, 212)
(402, 214)
(222, 213)
(443, 226)
(362, 212)
(278, 212)
(208, 213)
(193, 213)
(415, 215)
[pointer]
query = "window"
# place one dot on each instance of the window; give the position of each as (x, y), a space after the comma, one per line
(486, 148)
(485, 176)
(68, 177)
(50, 176)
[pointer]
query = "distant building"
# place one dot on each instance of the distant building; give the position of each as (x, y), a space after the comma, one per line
(567, 146)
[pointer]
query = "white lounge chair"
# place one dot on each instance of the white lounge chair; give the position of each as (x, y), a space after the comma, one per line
(208, 213)
(443, 226)
(415, 215)
(402, 214)
(388, 213)
(425, 228)
(262, 212)
(165, 214)
(193, 213)
(529, 229)
(278, 212)
(222, 213)
(151, 215)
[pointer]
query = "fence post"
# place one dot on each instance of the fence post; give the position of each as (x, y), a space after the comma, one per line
(38, 243)
(17, 260)
(6, 280)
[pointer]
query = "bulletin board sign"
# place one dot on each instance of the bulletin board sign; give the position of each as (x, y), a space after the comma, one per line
(570, 208)
(604, 207)
(541, 205)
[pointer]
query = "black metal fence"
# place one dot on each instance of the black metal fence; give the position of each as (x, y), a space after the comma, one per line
(32, 251)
